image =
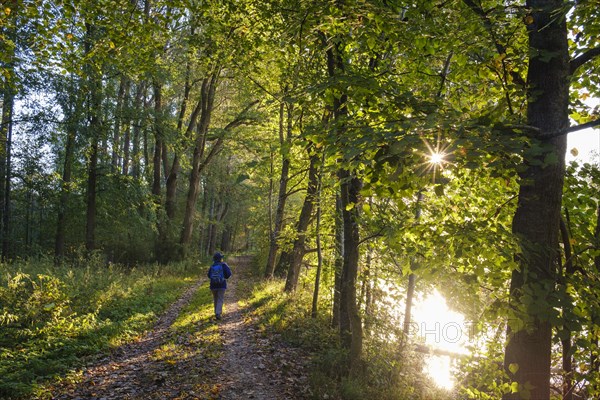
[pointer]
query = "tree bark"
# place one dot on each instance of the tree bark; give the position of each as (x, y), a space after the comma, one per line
(209, 86)
(566, 337)
(170, 203)
(126, 124)
(6, 135)
(9, 33)
(594, 358)
(284, 144)
(410, 291)
(536, 221)
(156, 160)
(351, 333)
(139, 107)
(350, 322)
(298, 250)
(116, 140)
(339, 261)
(72, 127)
(95, 131)
(315, 302)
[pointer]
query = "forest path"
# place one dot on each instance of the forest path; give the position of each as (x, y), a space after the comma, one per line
(254, 366)
(200, 358)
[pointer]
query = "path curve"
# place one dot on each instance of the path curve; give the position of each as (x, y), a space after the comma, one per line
(251, 366)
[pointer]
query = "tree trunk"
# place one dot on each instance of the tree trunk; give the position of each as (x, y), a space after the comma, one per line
(298, 251)
(156, 160)
(350, 322)
(198, 165)
(139, 107)
(410, 291)
(351, 333)
(594, 330)
(95, 130)
(282, 196)
(9, 33)
(90, 231)
(226, 239)
(71, 126)
(6, 135)
(126, 115)
(175, 166)
(116, 142)
(566, 341)
(366, 294)
(209, 86)
(203, 244)
(315, 302)
(536, 222)
(339, 261)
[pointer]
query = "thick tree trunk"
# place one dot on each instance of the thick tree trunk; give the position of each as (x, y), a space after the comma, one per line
(351, 332)
(8, 30)
(350, 322)
(282, 195)
(298, 251)
(226, 239)
(536, 221)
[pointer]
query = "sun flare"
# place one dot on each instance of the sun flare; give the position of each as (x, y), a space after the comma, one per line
(436, 158)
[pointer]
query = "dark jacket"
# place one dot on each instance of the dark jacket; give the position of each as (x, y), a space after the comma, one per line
(226, 273)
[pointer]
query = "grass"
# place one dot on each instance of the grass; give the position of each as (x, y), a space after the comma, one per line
(53, 319)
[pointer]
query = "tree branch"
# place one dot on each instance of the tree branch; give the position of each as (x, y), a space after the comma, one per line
(550, 135)
(216, 148)
(572, 129)
(578, 61)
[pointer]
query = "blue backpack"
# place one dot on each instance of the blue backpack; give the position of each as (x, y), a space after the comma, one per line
(217, 276)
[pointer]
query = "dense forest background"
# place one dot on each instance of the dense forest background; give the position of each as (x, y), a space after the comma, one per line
(360, 149)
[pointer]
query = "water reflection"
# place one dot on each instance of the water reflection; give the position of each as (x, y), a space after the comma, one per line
(445, 334)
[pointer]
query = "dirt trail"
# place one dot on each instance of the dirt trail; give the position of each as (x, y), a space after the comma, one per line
(250, 367)
(255, 366)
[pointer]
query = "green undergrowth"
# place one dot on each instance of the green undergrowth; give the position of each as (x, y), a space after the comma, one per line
(389, 372)
(52, 319)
